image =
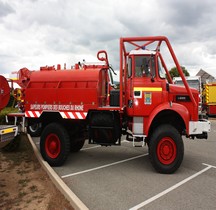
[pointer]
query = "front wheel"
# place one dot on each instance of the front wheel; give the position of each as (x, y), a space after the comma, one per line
(166, 149)
(55, 144)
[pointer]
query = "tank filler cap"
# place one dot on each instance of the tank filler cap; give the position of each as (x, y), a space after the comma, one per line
(4, 92)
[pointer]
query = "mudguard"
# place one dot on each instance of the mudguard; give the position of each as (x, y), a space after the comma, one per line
(178, 108)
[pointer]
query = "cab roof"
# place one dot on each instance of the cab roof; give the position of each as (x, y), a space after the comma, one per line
(142, 52)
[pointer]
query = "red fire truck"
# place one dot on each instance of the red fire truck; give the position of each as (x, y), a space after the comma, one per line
(72, 105)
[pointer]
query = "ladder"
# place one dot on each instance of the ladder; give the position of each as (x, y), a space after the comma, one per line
(135, 141)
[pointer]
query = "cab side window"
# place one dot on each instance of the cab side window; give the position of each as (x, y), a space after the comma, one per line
(129, 68)
(162, 72)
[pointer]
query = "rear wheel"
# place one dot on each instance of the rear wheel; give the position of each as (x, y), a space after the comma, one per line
(77, 145)
(166, 149)
(55, 144)
(76, 141)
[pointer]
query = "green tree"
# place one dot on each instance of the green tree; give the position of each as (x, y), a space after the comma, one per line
(174, 72)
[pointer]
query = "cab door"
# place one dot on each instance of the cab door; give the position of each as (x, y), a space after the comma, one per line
(147, 89)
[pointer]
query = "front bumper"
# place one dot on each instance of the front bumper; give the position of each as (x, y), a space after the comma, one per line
(7, 134)
(199, 129)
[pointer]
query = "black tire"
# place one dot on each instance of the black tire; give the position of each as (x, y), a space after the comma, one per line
(55, 144)
(77, 137)
(77, 145)
(13, 145)
(35, 129)
(166, 149)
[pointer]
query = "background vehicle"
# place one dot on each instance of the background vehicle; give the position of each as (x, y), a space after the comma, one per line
(209, 98)
(74, 104)
(8, 132)
(193, 82)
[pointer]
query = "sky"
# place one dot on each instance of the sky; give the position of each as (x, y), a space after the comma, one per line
(36, 33)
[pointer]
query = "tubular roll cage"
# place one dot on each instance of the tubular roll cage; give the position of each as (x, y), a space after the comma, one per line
(145, 41)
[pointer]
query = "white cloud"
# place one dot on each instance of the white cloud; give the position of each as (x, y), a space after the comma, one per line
(35, 33)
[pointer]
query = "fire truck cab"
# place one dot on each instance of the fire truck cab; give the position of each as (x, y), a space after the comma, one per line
(158, 111)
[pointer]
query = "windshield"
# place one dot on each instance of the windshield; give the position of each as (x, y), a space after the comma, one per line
(144, 66)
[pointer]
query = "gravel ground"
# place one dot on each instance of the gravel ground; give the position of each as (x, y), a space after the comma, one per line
(24, 184)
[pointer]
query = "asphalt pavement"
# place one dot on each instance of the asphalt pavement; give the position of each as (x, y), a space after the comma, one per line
(121, 177)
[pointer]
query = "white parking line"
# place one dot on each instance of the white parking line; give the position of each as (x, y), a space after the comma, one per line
(104, 166)
(172, 188)
(209, 165)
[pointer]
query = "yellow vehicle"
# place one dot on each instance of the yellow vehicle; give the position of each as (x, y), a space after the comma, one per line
(209, 98)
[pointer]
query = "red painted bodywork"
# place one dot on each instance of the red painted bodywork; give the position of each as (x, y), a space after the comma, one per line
(164, 99)
(86, 87)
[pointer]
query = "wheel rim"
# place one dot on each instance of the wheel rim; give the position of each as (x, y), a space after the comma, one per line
(52, 146)
(166, 150)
